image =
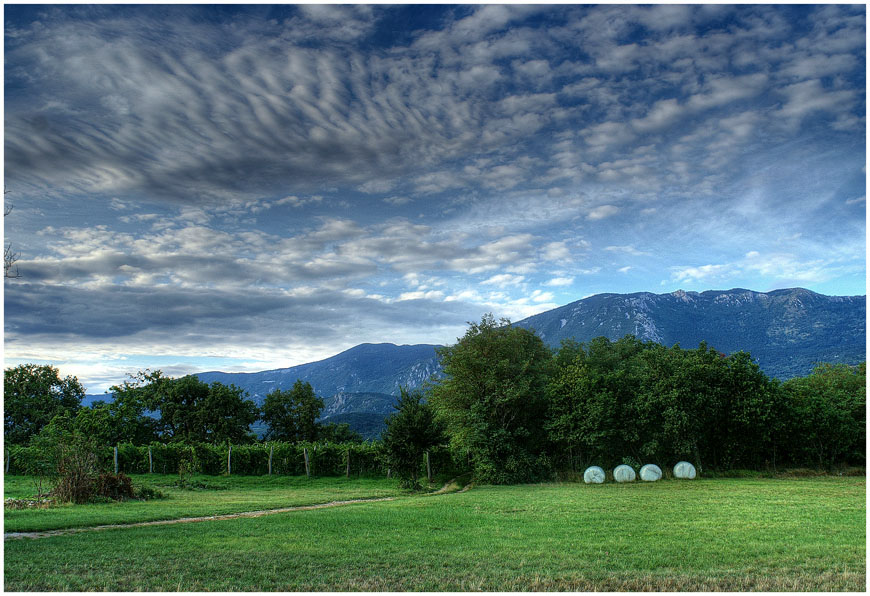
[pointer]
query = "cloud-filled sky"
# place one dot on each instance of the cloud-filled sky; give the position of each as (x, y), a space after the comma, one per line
(242, 188)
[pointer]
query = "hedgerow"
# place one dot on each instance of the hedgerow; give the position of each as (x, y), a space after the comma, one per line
(324, 459)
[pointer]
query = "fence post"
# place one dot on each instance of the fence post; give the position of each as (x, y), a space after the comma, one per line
(116, 460)
(428, 469)
(388, 472)
(347, 471)
(230, 461)
(271, 447)
(150, 461)
(305, 453)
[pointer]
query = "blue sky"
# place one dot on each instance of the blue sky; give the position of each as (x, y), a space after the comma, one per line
(243, 188)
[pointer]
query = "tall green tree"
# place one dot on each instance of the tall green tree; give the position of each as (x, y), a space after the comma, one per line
(592, 389)
(188, 409)
(292, 415)
(492, 400)
(827, 424)
(410, 432)
(34, 394)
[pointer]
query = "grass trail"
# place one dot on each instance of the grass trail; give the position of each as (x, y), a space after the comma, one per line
(226, 495)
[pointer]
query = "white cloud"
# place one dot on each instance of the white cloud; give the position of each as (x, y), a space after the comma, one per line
(503, 280)
(627, 249)
(662, 114)
(560, 281)
(602, 212)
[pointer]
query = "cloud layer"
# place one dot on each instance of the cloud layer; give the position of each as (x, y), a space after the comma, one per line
(282, 182)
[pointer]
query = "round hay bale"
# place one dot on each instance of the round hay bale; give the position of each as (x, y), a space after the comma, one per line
(593, 475)
(623, 473)
(684, 469)
(650, 473)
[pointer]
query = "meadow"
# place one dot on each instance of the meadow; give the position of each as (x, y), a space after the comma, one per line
(770, 534)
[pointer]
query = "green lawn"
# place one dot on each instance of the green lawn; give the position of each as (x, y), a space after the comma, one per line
(233, 494)
(709, 534)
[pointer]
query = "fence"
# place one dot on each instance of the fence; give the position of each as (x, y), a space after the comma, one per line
(289, 459)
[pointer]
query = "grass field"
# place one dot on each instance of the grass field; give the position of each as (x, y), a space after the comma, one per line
(226, 494)
(709, 534)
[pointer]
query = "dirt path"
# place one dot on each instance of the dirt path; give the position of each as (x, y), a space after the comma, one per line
(452, 484)
(186, 520)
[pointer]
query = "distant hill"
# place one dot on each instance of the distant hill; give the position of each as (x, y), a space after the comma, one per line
(786, 331)
(366, 368)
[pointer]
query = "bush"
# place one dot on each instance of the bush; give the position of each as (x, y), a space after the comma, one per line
(116, 487)
(77, 467)
(146, 493)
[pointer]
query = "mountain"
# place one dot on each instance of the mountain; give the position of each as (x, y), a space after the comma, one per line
(366, 368)
(786, 331)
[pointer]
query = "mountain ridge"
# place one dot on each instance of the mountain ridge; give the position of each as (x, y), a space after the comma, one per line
(786, 331)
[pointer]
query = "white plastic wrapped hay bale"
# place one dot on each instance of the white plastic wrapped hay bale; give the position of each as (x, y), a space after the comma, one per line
(684, 469)
(593, 475)
(650, 473)
(624, 473)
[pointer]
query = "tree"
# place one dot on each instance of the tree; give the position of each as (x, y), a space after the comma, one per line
(189, 410)
(492, 401)
(828, 419)
(338, 433)
(291, 415)
(33, 395)
(592, 392)
(9, 256)
(410, 432)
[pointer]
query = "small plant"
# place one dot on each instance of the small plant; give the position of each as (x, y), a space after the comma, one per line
(146, 493)
(186, 466)
(116, 487)
(631, 462)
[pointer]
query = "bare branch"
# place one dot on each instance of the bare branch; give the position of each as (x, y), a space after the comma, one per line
(10, 269)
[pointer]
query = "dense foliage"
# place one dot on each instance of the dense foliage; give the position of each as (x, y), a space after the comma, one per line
(492, 402)
(325, 459)
(291, 415)
(32, 395)
(647, 403)
(410, 433)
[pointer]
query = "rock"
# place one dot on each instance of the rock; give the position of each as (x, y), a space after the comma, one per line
(623, 473)
(684, 469)
(650, 473)
(593, 475)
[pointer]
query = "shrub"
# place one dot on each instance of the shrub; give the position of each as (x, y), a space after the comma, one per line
(117, 487)
(146, 493)
(77, 467)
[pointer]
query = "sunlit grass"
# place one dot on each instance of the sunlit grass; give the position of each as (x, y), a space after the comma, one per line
(721, 534)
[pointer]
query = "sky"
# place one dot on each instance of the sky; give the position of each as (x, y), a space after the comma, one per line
(245, 188)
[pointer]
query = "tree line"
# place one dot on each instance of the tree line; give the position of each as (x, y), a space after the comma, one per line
(519, 412)
(508, 408)
(150, 407)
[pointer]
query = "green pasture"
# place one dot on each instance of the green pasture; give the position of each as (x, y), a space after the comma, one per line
(222, 494)
(736, 534)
